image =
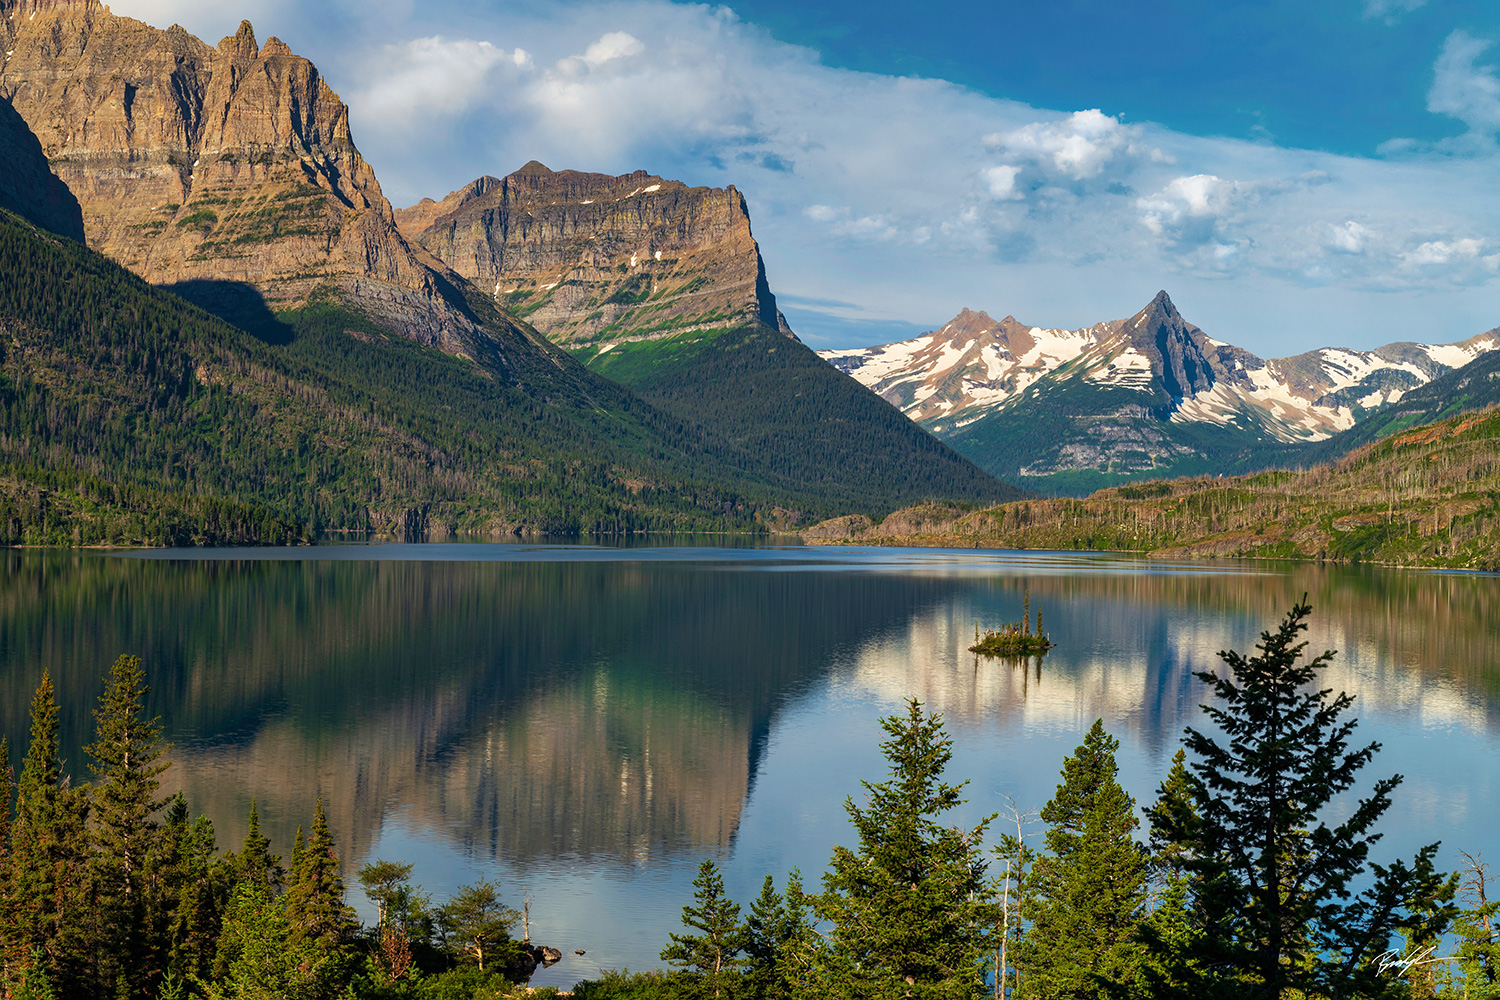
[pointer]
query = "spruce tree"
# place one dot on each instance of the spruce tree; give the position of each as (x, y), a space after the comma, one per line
(909, 908)
(1271, 879)
(47, 903)
(322, 927)
(255, 862)
(198, 885)
(712, 955)
(1087, 894)
(257, 962)
(127, 762)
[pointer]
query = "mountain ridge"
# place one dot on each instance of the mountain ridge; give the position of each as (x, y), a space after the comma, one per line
(231, 164)
(1148, 396)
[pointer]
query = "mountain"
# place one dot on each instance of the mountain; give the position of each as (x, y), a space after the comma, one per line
(594, 260)
(1145, 397)
(228, 174)
(217, 168)
(28, 187)
(1423, 496)
(1475, 386)
(660, 287)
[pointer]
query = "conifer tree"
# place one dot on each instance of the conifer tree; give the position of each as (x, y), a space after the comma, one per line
(257, 962)
(713, 954)
(909, 908)
(127, 761)
(46, 895)
(197, 884)
(1088, 892)
(255, 862)
(1271, 880)
(322, 927)
(1173, 930)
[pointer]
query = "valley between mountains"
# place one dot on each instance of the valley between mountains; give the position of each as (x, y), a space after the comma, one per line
(217, 328)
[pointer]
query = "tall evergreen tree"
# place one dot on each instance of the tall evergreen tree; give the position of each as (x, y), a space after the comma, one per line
(1088, 892)
(1271, 879)
(258, 963)
(712, 955)
(322, 927)
(908, 909)
(127, 762)
(255, 862)
(197, 884)
(46, 895)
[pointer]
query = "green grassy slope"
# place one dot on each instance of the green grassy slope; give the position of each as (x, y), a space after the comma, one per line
(792, 420)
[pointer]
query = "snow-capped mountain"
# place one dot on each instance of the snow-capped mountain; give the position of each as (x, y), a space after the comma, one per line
(1151, 394)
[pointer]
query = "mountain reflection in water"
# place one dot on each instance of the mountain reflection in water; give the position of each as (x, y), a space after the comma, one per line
(613, 711)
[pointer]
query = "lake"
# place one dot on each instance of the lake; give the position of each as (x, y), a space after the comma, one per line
(587, 724)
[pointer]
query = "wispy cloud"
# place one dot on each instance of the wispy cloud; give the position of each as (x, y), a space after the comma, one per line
(1391, 11)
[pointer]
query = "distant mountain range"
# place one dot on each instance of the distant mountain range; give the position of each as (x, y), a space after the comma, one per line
(1151, 396)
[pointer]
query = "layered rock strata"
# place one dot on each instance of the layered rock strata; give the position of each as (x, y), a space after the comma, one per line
(227, 163)
(593, 259)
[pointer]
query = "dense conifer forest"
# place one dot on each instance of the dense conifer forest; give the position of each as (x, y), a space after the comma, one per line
(1246, 880)
(128, 416)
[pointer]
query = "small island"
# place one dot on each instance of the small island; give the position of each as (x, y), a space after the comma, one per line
(1015, 639)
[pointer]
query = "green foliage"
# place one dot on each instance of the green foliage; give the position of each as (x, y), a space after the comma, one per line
(260, 963)
(712, 955)
(1271, 880)
(909, 908)
(127, 763)
(322, 927)
(203, 217)
(476, 925)
(791, 421)
(255, 863)
(1087, 893)
(47, 901)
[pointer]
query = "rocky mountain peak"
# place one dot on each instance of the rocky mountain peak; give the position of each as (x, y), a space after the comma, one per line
(597, 259)
(208, 167)
(241, 44)
(1179, 351)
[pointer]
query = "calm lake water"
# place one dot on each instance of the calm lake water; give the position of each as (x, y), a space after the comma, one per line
(587, 724)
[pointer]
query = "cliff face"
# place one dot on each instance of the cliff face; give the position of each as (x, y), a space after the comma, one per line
(230, 163)
(28, 186)
(591, 259)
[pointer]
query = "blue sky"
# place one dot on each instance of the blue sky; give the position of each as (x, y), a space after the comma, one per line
(1295, 174)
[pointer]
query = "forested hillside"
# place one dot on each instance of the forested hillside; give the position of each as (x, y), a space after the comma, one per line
(128, 416)
(793, 419)
(1426, 496)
